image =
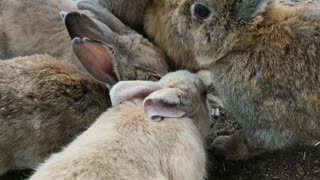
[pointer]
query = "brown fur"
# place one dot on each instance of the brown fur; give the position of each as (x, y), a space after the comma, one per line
(265, 69)
(44, 104)
(35, 27)
(158, 26)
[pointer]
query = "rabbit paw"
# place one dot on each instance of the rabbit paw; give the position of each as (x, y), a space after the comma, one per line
(232, 147)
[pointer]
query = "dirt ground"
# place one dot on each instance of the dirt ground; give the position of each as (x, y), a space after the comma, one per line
(290, 164)
(296, 163)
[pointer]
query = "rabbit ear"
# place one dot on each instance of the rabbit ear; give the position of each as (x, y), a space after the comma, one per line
(104, 15)
(126, 90)
(166, 103)
(96, 58)
(206, 77)
(80, 25)
(246, 11)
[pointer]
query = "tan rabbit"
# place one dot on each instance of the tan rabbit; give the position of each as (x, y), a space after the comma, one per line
(155, 131)
(34, 27)
(265, 64)
(45, 103)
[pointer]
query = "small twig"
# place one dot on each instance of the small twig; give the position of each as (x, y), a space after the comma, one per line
(317, 144)
(304, 156)
(317, 171)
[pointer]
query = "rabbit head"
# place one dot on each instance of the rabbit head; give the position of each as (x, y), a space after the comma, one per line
(213, 27)
(178, 94)
(111, 52)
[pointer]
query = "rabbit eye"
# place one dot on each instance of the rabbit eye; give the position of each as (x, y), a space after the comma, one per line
(201, 12)
(154, 77)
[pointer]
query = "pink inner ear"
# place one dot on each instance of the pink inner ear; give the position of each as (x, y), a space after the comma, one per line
(126, 90)
(103, 59)
(157, 109)
(96, 58)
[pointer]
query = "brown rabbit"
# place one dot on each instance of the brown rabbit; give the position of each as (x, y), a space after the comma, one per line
(158, 27)
(265, 64)
(34, 27)
(155, 131)
(45, 103)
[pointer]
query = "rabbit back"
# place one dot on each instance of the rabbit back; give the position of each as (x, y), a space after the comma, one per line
(43, 105)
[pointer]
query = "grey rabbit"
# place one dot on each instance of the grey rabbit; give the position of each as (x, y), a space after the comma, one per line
(265, 63)
(46, 103)
(156, 25)
(34, 27)
(136, 57)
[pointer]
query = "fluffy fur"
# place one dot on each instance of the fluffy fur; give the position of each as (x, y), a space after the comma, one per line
(44, 104)
(158, 27)
(155, 18)
(34, 27)
(265, 63)
(128, 11)
(125, 144)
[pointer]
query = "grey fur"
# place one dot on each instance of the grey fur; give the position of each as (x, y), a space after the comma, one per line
(34, 27)
(129, 11)
(133, 56)
(246, 10)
